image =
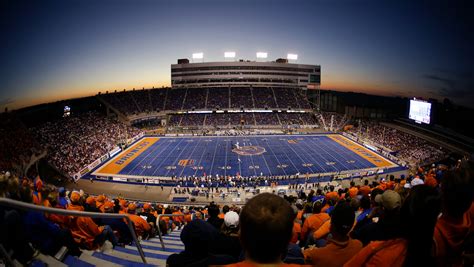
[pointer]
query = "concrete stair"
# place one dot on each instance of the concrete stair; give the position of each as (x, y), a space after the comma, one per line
(129, 256)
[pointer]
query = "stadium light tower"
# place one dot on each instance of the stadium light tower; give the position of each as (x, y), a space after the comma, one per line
(229, 54)
(199, 55)
(262, 55)
(292, 57)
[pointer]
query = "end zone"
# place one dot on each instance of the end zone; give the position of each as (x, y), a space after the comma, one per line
(115, 165)
(365, 153)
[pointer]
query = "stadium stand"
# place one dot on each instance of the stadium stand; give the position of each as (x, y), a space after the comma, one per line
(409, 148)
(76, 141)
(143, 101)
(393, 220)
(18, 147)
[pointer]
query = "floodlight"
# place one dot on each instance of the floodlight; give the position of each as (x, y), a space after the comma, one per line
(198, 55)
(262, 54)
(229, 54)
(292, 57)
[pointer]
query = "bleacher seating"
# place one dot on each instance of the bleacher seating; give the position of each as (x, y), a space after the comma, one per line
(129, 256)
(141, 101)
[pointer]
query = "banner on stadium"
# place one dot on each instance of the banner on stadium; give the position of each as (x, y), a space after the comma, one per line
(96, 162)
(133, 139)
(115, 151)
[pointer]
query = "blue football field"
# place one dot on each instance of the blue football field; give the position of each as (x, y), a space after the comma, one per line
(244, 155)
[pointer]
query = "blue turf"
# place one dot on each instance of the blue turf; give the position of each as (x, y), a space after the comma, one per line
(213, 155)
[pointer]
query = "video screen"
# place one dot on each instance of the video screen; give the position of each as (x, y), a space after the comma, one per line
(67, 111)
(420, 111)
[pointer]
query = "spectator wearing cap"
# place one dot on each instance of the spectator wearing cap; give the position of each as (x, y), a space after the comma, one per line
(142, 228)
(266, 223)
(387, 226)
(312, 223)
(416, 181)
(118, 225)
(85, 231)
(340, 247)
(228, 242)
(199, 239)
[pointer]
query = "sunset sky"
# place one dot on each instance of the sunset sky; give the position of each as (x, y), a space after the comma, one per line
(52, 50)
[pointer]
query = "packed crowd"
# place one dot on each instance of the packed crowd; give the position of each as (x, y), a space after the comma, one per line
(48, 233)
(406, 146)
(77, 141)
(17, 145)
(424, 220)
(235, 119)
(138, 101)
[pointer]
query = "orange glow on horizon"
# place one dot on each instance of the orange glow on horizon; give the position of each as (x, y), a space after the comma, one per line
(347, 84)
(72, 93)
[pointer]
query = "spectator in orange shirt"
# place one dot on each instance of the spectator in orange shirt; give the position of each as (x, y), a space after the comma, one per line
(91, 204)
(266, 223)
(85, 231)
(296, 233)
(353, 190)
(430, 180)
(178, 220)
(331, 194)
(142, 228)
(413, 245)
(365, 189)
(312, 223)
(340, 247)
(100, 201)
(300, 211)
(453, 227)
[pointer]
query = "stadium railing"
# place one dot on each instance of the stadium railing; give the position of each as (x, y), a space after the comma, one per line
(31, 207)
(159, 230)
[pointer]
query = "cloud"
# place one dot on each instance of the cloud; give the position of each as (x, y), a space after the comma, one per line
(451, 84)
(6, 101)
